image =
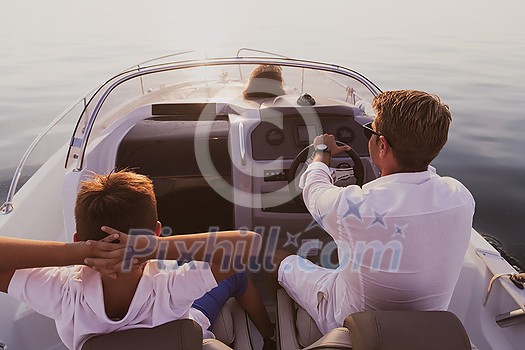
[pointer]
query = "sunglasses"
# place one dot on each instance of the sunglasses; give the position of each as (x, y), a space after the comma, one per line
(368, 131)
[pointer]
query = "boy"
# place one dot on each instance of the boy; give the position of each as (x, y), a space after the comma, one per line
(84, 302)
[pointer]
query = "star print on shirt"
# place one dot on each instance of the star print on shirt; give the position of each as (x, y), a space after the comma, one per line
(400, 231)
(316, 222)
(379, 218)
(292, 239)
(353, 209)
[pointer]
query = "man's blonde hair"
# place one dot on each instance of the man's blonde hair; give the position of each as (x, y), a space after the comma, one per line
(123, 200)
(415, 124)
(266, 80)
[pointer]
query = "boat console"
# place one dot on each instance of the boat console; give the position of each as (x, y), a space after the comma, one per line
(239, 176)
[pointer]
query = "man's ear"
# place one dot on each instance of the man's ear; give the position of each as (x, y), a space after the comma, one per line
(75, 238)
(384, 146)
(158, 229)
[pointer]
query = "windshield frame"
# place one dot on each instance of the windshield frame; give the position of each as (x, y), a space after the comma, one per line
(100, 97)
(95, 100)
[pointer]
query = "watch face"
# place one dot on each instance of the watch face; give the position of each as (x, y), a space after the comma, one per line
(321, 147)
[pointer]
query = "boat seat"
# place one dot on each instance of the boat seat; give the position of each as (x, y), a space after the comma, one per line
(400, 330)
(231, 327)
(181, 334)
(371, 330)
(297, 330)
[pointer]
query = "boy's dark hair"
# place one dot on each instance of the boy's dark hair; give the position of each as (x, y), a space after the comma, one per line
(122, 200)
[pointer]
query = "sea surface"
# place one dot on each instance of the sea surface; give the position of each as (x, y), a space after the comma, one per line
(470, 53)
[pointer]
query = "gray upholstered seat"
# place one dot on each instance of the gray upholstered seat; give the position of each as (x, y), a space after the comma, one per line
(231, 330)
(176, 335)
(232, 327)
(297, 330)
(401, 330)
(371, 330)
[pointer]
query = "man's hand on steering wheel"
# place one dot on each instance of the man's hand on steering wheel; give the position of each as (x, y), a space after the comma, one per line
(329, 141)
(357, 170)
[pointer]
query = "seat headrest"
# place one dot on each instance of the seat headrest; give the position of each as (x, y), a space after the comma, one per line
(175, 335)
(401, 330)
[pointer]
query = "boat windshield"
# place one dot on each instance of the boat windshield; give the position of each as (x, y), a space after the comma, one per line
(208, 80)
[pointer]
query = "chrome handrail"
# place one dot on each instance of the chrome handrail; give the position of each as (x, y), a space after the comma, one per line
(159, 58)
(7, 207)
(259, 51)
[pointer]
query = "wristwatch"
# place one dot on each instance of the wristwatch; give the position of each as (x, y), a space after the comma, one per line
(321, 148)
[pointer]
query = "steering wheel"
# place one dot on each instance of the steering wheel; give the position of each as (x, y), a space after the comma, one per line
(357, 171)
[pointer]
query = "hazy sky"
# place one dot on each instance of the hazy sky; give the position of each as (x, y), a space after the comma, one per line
(212, 25)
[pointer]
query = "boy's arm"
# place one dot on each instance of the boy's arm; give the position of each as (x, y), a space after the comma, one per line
(214, 247)
(226, 251)
(18, 253)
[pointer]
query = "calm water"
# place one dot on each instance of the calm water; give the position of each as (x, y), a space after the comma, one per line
(471, 53)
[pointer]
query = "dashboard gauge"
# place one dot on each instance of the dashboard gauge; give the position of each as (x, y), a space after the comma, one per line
(345, 134)
(275, 137)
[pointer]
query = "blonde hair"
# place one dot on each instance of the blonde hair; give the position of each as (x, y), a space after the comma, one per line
(415, 124)
(123, 200)
(265, 81)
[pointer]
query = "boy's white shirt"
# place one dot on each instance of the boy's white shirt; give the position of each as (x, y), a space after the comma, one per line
(73, 297)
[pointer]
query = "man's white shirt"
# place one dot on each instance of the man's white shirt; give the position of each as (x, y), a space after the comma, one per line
(401, 240)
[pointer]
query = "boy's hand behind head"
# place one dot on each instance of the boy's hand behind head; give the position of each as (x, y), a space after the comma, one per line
(108, 255)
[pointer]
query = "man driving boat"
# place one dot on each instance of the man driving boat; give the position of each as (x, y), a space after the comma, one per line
(401, 238)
